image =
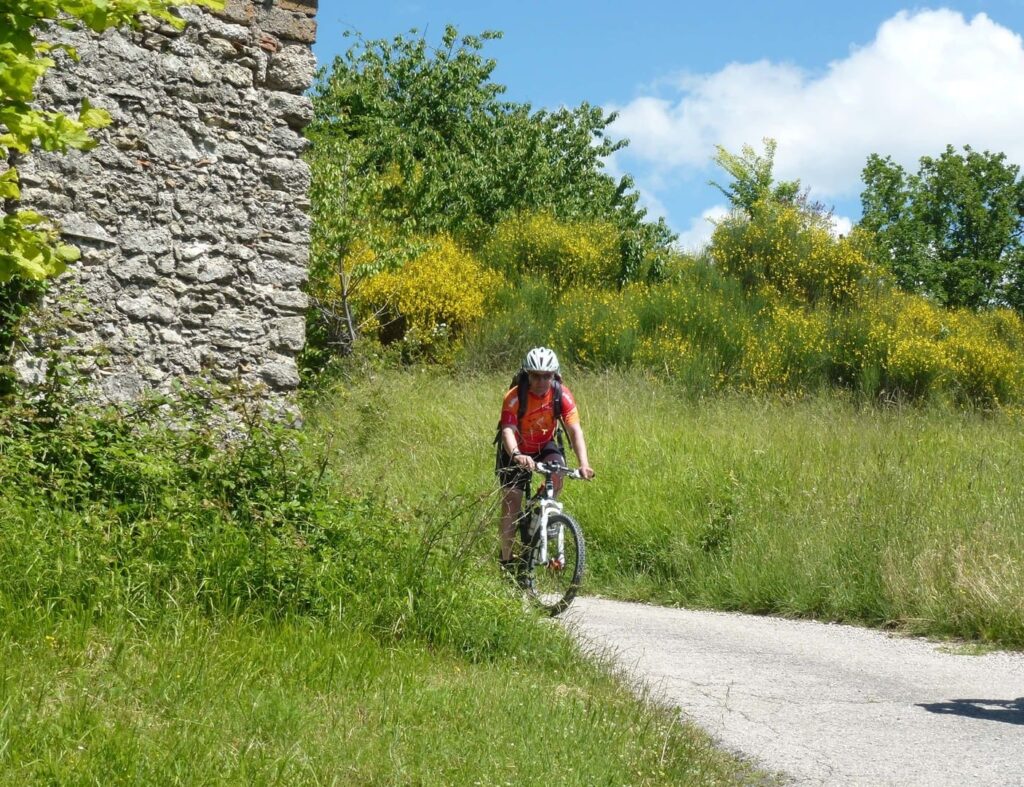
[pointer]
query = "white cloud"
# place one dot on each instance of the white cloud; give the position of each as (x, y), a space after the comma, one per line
(841, 225)
(927, 79)
(699, 232)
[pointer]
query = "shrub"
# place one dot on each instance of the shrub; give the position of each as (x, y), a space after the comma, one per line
(521, 316)
(565, 254)
(431, 299)
(598, 327)
(926, 349)
(787, 349)
(790, 251)
(130, 509)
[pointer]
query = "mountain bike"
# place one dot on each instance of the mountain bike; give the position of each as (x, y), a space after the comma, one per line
(553, 555)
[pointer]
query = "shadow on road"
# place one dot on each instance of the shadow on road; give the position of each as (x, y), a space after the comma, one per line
(1008, 711)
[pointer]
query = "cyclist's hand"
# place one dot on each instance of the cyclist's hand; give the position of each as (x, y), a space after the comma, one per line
(524, 460)
(586, 471)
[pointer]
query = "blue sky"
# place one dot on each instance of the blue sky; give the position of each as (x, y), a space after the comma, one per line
(831, 82)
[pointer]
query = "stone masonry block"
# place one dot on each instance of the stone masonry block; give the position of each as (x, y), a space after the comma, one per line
(286, 24)
(241, 12)
(307, 7)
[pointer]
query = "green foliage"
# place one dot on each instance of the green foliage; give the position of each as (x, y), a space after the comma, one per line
(521, 315)
(954, 231)
(790, 251)
(17, 297)
(412, 141)
(149, 567)
(564, 254)
(777, 306)
(818, 506)
(244, 700)
(753, 183)
(143, 506)
(463, 156)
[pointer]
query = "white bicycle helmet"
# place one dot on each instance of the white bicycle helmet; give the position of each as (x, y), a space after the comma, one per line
(541, 359)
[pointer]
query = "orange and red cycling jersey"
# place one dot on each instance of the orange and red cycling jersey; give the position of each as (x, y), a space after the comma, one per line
(538, 424)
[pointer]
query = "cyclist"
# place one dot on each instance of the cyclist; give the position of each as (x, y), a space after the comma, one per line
(525, 440)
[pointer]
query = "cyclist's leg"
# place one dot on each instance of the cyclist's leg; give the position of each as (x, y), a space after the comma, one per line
(553, 452)
(514, 481)
(511, 504)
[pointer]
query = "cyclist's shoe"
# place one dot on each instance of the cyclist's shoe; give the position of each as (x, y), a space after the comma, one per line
(515, 571)
(510, 569)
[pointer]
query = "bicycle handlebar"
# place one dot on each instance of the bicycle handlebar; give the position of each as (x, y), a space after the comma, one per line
(550, 468)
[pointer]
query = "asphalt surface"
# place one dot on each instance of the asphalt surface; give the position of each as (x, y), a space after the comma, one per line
(824, 703)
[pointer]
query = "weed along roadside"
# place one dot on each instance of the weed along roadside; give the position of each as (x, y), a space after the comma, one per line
(176, 608)
(817, 507)
(180, 608)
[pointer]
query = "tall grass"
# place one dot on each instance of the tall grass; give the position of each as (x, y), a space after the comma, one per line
(233, 700)
(178, 607)
(908, 517)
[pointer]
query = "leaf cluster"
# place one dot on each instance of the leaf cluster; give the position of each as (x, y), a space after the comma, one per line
(954, 231)
(458, 156)
(753, 183)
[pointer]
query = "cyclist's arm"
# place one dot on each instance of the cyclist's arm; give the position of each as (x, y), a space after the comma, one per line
(579, 447)
(509, 439)
(510, 442)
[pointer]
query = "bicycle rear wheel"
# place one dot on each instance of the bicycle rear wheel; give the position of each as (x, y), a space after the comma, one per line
(555, 584)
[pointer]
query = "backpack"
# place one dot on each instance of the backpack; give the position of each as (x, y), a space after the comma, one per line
(521, 381)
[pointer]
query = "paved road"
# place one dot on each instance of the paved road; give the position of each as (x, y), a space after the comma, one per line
(824, 703)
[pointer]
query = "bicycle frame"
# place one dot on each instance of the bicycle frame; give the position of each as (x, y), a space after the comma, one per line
(552, 542)
(540, 507)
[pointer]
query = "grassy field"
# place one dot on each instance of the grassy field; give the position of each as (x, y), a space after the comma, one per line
(177, 610)
(244, 701)
(889, 516)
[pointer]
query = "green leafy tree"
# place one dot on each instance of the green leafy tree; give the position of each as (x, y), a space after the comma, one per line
(466, 157)
(412, 141)
(954, 230)
(753, 180)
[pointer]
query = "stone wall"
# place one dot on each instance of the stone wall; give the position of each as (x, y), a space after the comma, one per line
(191, 213)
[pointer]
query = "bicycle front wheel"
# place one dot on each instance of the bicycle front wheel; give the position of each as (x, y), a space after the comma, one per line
(556, 583)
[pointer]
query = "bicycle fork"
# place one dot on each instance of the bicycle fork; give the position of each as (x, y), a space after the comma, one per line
(541, 519)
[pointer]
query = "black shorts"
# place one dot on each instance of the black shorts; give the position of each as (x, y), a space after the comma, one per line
(512, 476)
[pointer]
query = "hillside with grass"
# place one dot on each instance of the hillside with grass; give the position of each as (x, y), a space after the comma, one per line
(178, 608)
(902, 517)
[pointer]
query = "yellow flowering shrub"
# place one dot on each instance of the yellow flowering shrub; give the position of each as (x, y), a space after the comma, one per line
(927, 348)
(788, 251)
(984, 367)
(911, 331)
(432, 298)
(664, 351)
(712, 319)
(1006, 325)
(786, 350)
(566, 254)
(598, 327)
